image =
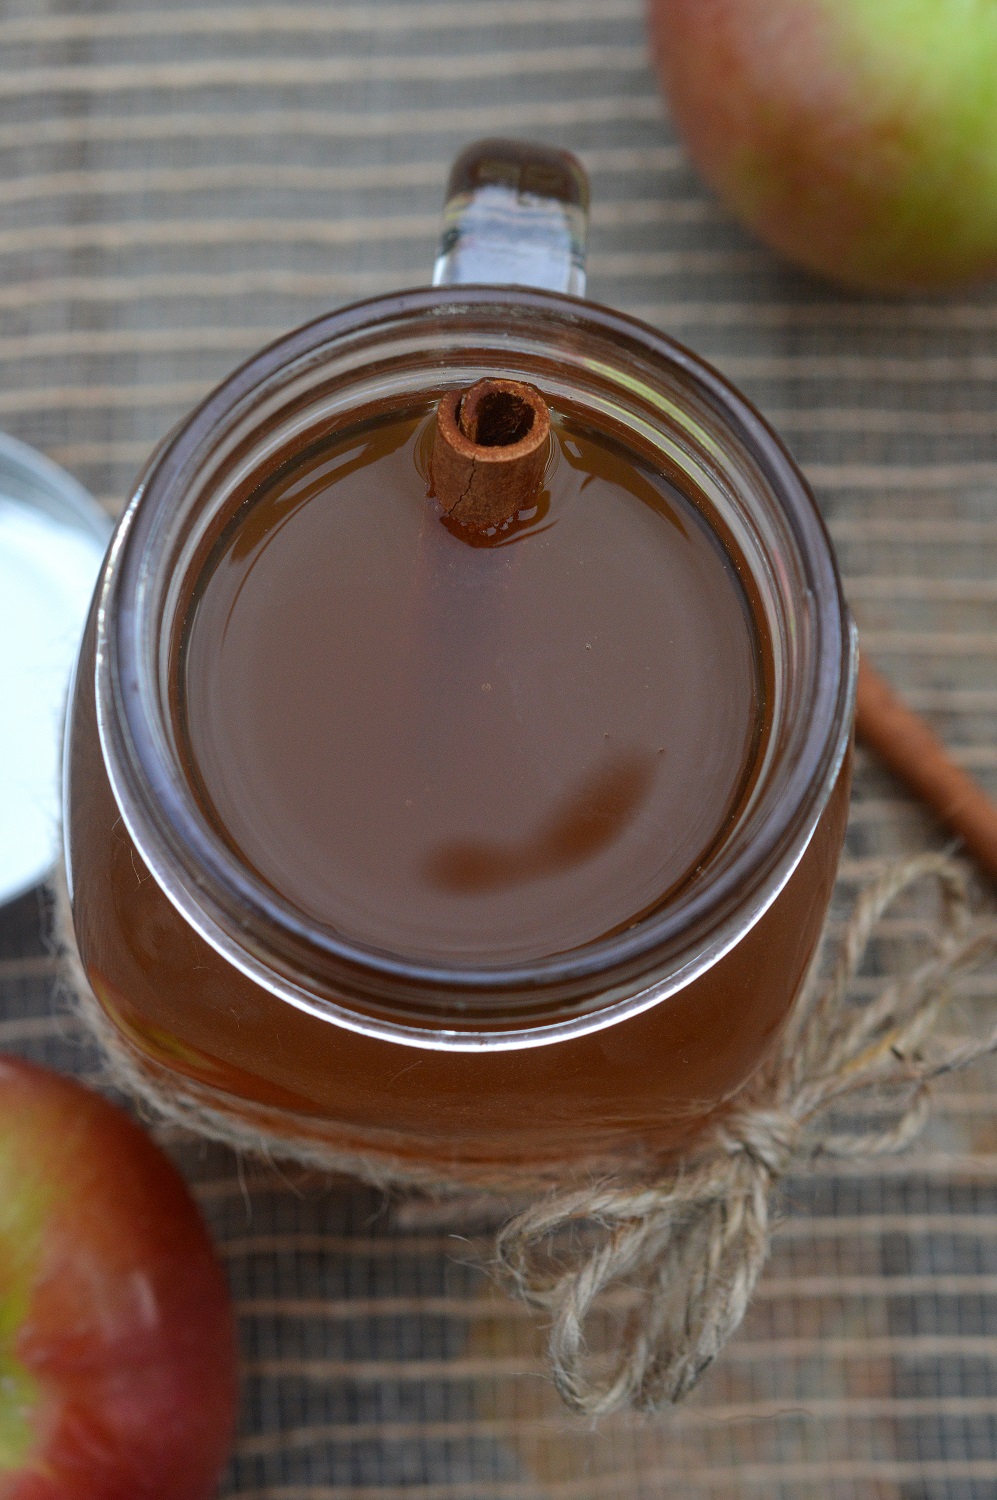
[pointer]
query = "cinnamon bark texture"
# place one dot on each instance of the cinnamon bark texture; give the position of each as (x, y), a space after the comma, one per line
(490, 451)
(914, 752)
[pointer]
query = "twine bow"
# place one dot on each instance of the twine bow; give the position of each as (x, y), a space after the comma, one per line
(687, 1249)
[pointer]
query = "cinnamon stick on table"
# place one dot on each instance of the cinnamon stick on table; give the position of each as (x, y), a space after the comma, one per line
(911, 749)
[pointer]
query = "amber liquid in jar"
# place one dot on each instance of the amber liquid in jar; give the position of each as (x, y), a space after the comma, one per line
(484, 747)
(477, 749)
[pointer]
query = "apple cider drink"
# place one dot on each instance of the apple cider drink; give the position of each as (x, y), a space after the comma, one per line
(465, 848)
(476, 849)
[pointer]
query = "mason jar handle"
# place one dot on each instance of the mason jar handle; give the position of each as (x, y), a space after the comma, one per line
(516, 215)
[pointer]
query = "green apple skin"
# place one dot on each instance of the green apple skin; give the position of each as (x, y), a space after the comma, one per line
(858, 137)
(117, 1347)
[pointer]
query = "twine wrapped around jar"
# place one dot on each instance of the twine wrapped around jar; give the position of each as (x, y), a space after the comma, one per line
(682, 1242)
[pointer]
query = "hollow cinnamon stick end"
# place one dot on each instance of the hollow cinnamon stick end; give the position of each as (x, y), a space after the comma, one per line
(490, 451)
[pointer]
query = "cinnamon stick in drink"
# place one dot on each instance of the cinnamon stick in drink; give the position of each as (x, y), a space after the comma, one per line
(490, 451)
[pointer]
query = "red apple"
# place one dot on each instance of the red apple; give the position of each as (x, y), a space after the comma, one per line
(117, 1348)
(859, 137)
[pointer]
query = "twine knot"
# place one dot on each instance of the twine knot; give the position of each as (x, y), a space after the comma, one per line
(675, 1257)
(767, 1137)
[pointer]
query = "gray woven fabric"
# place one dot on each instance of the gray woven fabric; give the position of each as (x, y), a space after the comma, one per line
(180, 183)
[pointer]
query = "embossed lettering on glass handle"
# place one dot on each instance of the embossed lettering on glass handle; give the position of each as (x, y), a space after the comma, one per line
(516, 215)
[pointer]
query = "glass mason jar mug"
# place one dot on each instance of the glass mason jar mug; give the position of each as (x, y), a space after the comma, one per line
(228, 987)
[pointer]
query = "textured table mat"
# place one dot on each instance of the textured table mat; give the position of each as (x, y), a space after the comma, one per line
(180, 183)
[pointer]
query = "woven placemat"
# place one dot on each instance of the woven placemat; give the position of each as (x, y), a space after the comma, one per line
(178, 185)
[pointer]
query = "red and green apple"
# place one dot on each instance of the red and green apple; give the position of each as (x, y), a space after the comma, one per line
(859, 137)
(117, 1348)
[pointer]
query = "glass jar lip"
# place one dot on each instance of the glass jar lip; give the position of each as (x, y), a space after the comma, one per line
(191, 862)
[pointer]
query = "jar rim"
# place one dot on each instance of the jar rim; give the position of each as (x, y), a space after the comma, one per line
(248, 923)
